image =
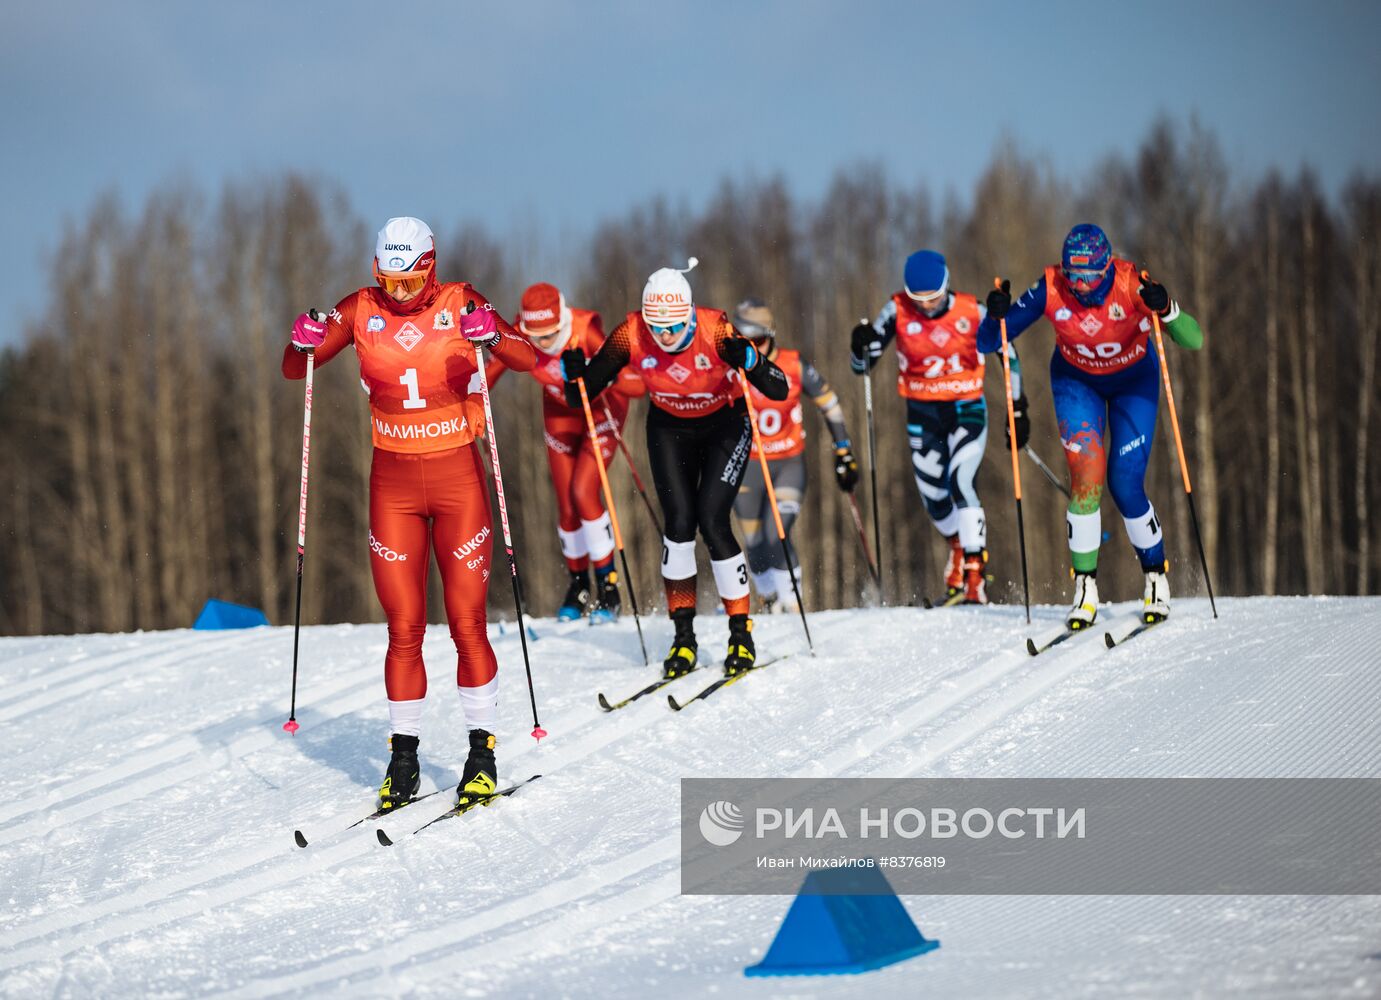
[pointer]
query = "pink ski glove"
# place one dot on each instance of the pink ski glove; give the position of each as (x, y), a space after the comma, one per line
(309, 330)
(481, 327)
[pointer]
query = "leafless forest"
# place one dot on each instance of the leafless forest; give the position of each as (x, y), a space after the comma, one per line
(149, 447)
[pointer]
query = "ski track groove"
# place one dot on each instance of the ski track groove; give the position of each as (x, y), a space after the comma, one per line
(398, 828)
(40, 679)
(1058, 664)
(604, 733)
(433, 954)
(92, 674)
(37, 666)
(662, 852)
(351, 691)
(543, 900)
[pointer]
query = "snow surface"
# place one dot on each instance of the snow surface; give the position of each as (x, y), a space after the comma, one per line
(150, 797)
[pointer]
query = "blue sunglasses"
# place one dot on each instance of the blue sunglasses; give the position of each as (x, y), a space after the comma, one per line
(662, 331)
(1084, 279)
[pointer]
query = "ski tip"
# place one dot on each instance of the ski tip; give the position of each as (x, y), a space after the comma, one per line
(925, 603)
(301, 840)
(1031, 647)
(383, 838)
(1108, 640)
(671, 700)
(604, 703)
(532, 633)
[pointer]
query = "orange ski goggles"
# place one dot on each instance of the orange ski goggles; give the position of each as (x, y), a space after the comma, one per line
(410, 282)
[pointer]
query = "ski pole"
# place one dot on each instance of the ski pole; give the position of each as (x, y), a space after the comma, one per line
(637, 480)
(613, 512)
(1016, 465)
(537, 731)
(291, 725)
(872, 468)
(863, 539)
(1179, 450)
(772, 500)
(1055, 480)
(873, 475)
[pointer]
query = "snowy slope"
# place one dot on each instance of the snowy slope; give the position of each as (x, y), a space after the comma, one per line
(150, 797)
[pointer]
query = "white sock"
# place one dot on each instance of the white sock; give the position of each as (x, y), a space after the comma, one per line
(1085, 531)
(766, 582)
(678, 559)
(480, 705)
(731, 576)
(599, 537)
(973, 529)
(405, 717)
(1143, 531)
(572, 543)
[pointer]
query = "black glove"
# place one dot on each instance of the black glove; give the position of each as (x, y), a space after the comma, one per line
(1000, 300)
(865, 344)
(1023, 423)
(739, 353)
(573, 364)
(572, 368)
(845, 469)
(1155, 296)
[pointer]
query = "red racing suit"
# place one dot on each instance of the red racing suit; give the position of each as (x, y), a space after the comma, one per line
(426, 484)
(583, 523)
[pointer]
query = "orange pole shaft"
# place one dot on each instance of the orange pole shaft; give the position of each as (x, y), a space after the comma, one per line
(1170, 400)
(762, 455)
(599, 463)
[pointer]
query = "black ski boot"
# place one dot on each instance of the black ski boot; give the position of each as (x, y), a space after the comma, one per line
(403, 776)
(607, 600)
(681, 660)
(480, 779)
(577, 597)
(742, 653)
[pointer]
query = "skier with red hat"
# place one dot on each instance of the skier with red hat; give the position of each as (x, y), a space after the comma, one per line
(698, 441)
(940, 375)
(418, 341)
(587, 540)
(1105, 379)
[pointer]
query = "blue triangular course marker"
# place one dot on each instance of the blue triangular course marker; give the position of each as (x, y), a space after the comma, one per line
(843, 920)
(222, 614)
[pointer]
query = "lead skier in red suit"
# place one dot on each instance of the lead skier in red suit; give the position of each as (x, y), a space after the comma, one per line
(417, 340)
(587, 539)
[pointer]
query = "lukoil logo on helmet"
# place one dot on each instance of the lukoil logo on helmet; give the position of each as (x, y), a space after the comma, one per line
(671, 298)
(398, 246)
(721, 823)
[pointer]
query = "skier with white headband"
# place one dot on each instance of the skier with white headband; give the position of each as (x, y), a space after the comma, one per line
(698, 443)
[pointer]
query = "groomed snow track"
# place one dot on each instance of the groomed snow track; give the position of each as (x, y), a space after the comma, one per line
(146, 831)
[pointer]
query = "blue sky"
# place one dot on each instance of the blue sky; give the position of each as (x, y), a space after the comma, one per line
(546, 117)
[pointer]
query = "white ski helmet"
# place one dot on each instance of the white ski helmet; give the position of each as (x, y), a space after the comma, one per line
(667, 296)
(405, 244)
